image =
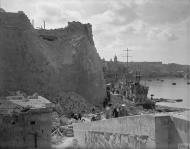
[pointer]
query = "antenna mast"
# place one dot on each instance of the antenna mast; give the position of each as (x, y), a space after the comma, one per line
(44, 24)
(127, 68)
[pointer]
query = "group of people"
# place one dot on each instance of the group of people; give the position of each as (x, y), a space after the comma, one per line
(111, 110)
(108, 95)
(76, 116)
(117, 111)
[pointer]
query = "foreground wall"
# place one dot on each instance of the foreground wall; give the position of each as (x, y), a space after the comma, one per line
(26, 131)
(166, 131)
(179, 134)
(136, 132)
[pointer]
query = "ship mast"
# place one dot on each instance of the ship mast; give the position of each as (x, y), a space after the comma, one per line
(187, 73)
(127, 64)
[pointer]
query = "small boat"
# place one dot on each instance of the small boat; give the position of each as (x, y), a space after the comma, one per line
(179, 100)
(188, 83)
(173, 83)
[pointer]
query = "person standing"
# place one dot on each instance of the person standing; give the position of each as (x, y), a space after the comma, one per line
(115, 112)
(108, 112)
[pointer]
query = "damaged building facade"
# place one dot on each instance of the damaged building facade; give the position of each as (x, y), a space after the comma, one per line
(25, 122)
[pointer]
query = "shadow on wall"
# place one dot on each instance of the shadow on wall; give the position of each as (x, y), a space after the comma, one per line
(179, 133)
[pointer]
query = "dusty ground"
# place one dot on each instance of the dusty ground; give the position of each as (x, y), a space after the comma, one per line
(65, 143)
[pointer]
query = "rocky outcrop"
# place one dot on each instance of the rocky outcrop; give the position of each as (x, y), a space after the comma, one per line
(49, 61)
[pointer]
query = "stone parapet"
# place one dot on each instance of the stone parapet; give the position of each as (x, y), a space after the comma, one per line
(137, 132)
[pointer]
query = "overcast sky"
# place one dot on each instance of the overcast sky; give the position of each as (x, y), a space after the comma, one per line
(156, 30)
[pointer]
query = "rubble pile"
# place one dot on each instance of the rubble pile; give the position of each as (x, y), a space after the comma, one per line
(72, 103)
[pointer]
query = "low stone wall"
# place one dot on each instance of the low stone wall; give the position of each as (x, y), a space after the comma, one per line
(179, 134)
(160, 131)
(133, 132)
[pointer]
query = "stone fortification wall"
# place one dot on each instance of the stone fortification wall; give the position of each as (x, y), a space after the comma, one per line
(49, 61)
(14, 21)
(160, 131)
(134, 132)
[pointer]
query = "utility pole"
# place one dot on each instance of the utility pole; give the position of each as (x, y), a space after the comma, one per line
(0, 4)
(127, 68)
(44, 24)
(138, 74)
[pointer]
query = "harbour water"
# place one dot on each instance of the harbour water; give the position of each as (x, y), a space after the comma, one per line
(165, 89)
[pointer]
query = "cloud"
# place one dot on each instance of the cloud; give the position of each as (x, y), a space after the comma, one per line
(162, 35)
(124, 11)
(164, 11)
(56, 15)
(138, 27)
(101, 19)
(169, 36)
(148, 25)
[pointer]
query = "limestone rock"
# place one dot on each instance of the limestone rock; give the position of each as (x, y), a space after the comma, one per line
(49, 61)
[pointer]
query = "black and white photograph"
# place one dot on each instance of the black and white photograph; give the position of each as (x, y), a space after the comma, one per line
(94, 74)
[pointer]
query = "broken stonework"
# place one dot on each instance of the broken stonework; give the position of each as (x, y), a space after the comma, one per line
(49, 61)
(25, 123)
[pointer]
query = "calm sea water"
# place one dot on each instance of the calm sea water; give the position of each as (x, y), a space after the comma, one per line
(166, 90)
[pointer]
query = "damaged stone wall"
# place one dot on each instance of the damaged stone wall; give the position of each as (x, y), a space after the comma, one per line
(117, 133)
(131, 132)
(179, 134)
(49, 61)
(26, 130)
(115, 140)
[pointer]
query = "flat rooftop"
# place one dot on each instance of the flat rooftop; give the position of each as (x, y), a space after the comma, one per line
(12, 104)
